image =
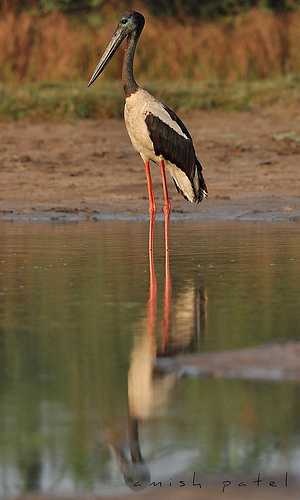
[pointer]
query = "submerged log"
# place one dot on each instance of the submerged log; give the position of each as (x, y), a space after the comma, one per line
(273, 362)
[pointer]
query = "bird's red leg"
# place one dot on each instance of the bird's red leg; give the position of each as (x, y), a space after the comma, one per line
(167, 203)
(152, 302)
(152, 208)
(151, 316)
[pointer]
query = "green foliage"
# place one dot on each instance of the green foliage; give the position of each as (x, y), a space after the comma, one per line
(69, 5)
(280, 5)
(51, 5)
(75, 100)
(191, 8)
(205, 8)
(215, 8)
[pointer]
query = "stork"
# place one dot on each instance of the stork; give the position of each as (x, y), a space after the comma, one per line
(155, 130)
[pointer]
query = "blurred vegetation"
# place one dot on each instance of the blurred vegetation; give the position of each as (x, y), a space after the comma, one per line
(215, 8)
(55, 47)
(71, 100)
(205, 8)
(258, 44)
(217, 51)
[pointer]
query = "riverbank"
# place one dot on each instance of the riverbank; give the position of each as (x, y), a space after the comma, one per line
(88, 169)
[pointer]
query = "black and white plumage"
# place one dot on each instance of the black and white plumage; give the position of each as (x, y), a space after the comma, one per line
(178, 151)
(156, 132)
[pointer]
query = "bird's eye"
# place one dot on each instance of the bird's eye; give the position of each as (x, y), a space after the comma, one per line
(123, 21)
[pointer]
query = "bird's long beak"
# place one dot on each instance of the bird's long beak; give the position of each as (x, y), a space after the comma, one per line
(116, 40)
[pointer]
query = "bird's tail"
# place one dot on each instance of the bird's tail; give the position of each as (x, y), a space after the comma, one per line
(200, 188)
(192, 188)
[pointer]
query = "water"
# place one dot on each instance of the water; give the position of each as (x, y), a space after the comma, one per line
(79, 337)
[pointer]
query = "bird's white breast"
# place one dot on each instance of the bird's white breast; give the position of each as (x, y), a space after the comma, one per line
(137, 106)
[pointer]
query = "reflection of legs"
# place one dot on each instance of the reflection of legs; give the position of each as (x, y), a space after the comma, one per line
(201, 312)
(166, 227)
(168, 284)
(152, 303)
(168, 288)
(152, 207)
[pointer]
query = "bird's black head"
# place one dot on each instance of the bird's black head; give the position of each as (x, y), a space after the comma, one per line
(130, 22)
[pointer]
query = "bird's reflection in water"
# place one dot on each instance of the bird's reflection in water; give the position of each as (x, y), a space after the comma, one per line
(182, 326)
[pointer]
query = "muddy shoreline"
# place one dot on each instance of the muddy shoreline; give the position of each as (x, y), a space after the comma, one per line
(233, 212)
(87, 170)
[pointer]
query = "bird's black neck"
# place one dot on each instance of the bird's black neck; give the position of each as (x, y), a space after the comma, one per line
(129, 83)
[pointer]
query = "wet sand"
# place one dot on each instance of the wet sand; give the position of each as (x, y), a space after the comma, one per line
(88, 169)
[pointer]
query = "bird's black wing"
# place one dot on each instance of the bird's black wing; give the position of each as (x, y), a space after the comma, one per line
(199, 168)
(176, 119)
(173, 146)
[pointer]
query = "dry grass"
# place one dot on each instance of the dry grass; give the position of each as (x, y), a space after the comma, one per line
(258, 44)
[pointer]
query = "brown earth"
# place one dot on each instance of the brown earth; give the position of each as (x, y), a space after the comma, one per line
(88, 168)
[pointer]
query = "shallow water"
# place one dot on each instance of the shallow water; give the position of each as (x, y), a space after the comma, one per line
(80, 399)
